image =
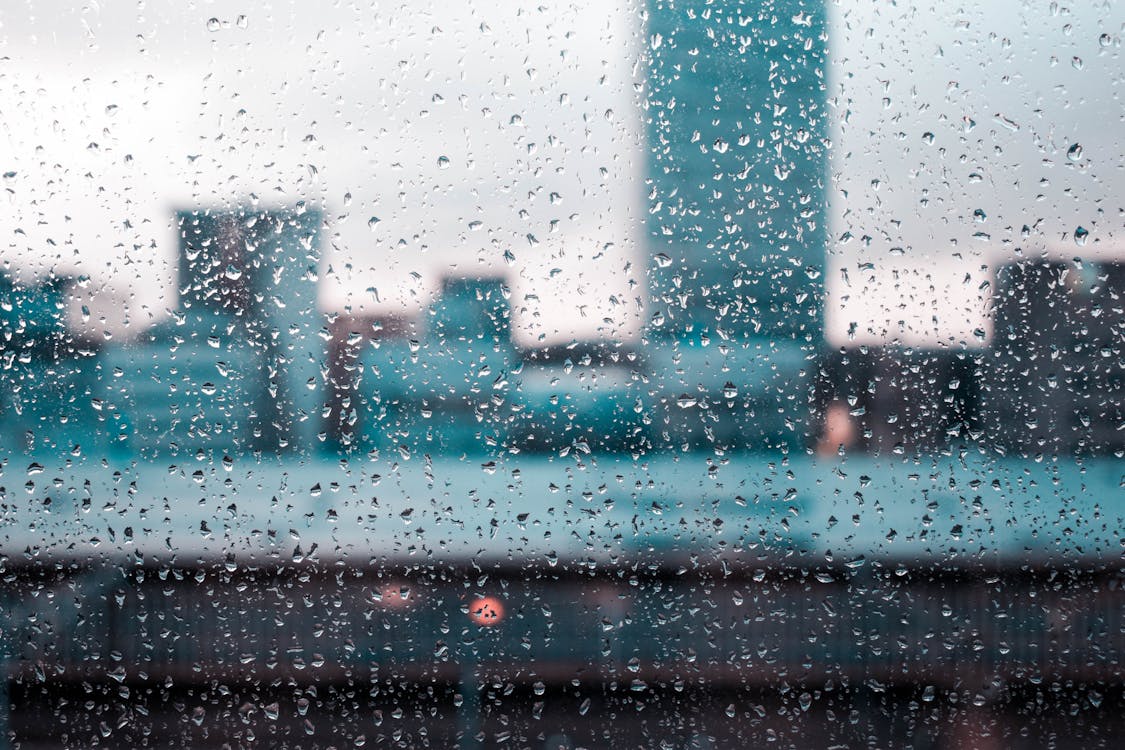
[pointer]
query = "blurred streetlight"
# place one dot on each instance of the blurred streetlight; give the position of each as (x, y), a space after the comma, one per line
(485, 612)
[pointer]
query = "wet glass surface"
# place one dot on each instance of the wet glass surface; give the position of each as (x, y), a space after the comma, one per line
(663, 373)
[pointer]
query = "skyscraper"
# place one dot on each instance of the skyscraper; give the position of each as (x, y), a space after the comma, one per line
(736, 118)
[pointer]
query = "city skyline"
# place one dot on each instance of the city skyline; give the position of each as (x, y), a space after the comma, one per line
(897, 287)
(651, 373)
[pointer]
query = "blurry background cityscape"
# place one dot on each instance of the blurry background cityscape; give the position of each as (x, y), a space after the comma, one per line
(713, 505)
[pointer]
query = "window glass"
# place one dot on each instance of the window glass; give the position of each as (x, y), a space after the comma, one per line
(651, 373)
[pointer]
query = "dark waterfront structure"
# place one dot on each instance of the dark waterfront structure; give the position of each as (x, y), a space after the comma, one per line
(1054, 378)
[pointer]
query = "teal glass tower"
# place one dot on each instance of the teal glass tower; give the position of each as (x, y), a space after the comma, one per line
(736, 118)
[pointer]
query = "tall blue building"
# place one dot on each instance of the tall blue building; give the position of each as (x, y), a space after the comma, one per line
(736, 118)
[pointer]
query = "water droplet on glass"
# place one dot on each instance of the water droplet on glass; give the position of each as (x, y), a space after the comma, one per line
(805, 700)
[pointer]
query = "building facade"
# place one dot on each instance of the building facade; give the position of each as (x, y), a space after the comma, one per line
(736, 119)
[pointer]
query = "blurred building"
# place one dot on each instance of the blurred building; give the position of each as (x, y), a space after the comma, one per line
(737, 121)
(349, 337)
(444, 387)
(45, 393)
(453, 382)
(584, 398)
(899, 400)
(238, 366)
(1053, 380)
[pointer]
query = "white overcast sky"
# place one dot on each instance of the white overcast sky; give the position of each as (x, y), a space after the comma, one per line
(1006, 88)
(472, 131)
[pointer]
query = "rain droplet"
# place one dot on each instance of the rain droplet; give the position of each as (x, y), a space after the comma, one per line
(1074, 153)
(213, 24)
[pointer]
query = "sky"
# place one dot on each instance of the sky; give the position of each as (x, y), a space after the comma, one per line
(481, 138)
(503, 137)
(965, 136)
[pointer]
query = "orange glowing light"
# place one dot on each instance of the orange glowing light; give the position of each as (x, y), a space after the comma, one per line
(487, 611)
